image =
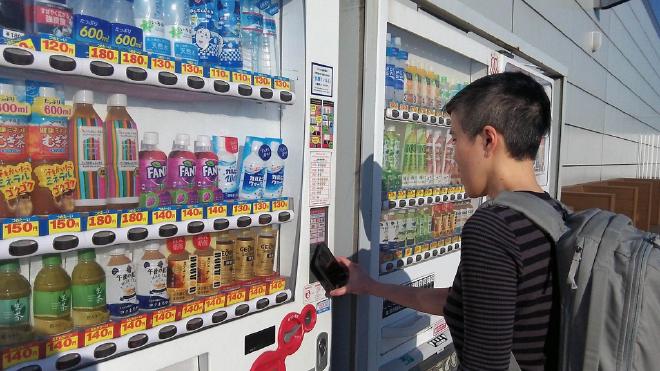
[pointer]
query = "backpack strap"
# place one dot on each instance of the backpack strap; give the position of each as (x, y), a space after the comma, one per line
(546, 217)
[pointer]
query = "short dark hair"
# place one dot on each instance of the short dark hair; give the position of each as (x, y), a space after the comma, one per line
(513, 103)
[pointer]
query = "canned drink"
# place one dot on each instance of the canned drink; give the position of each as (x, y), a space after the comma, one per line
(244, 259)
(264, 258)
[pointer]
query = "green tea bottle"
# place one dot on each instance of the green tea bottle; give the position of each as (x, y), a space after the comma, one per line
(88, 288)
(14, 305)
(52, 298)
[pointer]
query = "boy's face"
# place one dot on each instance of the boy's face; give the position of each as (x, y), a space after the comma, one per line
(471, 157)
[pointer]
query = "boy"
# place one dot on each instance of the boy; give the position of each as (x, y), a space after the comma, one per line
(502, 301)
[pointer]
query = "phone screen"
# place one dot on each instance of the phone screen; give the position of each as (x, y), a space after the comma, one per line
(330, 273)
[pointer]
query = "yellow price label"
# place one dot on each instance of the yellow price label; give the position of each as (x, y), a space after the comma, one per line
(26, 44)
(214, 302)
(434, 245)
(411, 193)
(391, 196)
(261, 80)
(134, 59)
(192, 213)
(25, 353)
(192, 69)
(456, 239)
(216, 211)
(104, 54)
(58, 47)
(276, 285)
(99, 333)
(163, 316)
(241, 78)
(220, 74)
(257, 291)
(282, 84)
(163, 216)
(261, 207)
(437, 191)
(426, 247)
(134, 218)
(419, 193)
(162, 64)
(20, 229)
(408, 251)
(398, 254)
(279, 205)
(241, 209)
(102, 221)
(444, 191)
(401, 194)
(418, 249)
(236, 296)
(191, 309)
(133, 324)
(428, 192)
(64, 225)
(61, 344)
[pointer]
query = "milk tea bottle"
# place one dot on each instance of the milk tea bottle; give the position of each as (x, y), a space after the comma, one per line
(152, 278)
(121, 284)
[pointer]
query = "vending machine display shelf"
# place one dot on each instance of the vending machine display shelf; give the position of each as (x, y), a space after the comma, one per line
(32, 236)
(422, 198)
(33, 355)
(192, 79)
(416, 117)
(418, 254)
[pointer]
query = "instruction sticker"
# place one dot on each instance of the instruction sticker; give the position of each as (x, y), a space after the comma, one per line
(320, 174)
(321, 80)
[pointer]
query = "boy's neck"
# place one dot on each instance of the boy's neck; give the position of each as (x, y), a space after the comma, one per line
(513, 175)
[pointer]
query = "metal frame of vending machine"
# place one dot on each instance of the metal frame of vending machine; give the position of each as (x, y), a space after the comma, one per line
(391, 337)
(282, 323)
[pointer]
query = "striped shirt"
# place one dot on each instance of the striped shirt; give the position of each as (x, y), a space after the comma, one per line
(502, 296)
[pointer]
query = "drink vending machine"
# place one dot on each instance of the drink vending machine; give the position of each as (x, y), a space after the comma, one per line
(413, 227)
(167, 168)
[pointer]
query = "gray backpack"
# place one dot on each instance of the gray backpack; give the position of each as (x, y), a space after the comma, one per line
(609, 280)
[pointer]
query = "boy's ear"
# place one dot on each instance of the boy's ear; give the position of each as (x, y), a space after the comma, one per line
(491, 139)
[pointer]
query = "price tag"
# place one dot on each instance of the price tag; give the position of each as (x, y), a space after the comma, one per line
(133, 324)
(263, 80)
(426, 247)
(276, 285)
(401, 194)
(99, 333)
(279, 205)
(434, 245)
(411, 193)
(257, 291)
(131, 218)
(428, 192)
(192, 213)
(20, 228)
(241, 77)
(214, 302)
(241, 209)
(100, 221)
(260, 207)
(20, 354)
(134, 59)
(25, 43)
(419, 193)
(163, 316)
(282, 84)
(456, 239)
(62, 343)
(163, 216)
(64, 225)
(216, 211)
(418, 249)
(104, 54)
(408, 252)
(219, 74)
(236, 296)
(398, 254)
(58, 47)
(191, 309)
(192, 69)
(391, 196)
(444, 191)
(437, 191)
(162, 64)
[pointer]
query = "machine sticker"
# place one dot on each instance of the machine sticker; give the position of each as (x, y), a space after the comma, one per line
(320, 173)
(313, 293)
(318, 226)
(321, 80)
(328, 124)
(323, 306)
(315, 123)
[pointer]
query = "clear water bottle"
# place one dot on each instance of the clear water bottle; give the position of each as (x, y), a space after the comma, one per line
(148, 15)
(90, 8)
(269, 45)
(399, 71)
(390, 60)
(121, 11)
(178, 28)
(251, 32)
(229, 28)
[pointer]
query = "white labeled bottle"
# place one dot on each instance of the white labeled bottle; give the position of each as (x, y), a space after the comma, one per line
(121, 284)
(253, 170)
(152, 278)
(275, 170)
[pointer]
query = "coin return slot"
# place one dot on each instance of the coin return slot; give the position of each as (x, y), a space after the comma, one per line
(221, 86)
(286, 96)
(263, 303)
(265, 219)
(195, 82)
(137, 234)
(220, 224)
(167, 332)
(168, 230)
(281, 297)
(103, 238)
(244, 221)
(18, 56)
(167, 78)
(101, 68)
(62, 63)
(195, 227)
(137, 341)
(23, 247)
(244, 90)
(219, 316)
(265, 93)
(284, 216)
(242, 309)
(66, 242)
(136, 74)
(194, 324)
(105, 350)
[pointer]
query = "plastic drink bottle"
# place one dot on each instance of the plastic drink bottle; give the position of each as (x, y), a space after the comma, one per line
(181, 171)
(178, 28)
(229, 29)
(227, 150)
(251, 32)
(51, 17)
(270, 55)
(14, 305)
(122, 154)
(121, 284)
(51, 299)
(391, 53)
(152, 278)
(181, 271)
(400, 71)
(152, 172)
(206, 171)
(88, 291)
(274, 182)
(206, 280)
(253, 169)
(148, 15)
(90, 22)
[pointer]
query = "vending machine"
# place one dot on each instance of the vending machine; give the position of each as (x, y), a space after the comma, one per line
(167, 168)
(410, 224)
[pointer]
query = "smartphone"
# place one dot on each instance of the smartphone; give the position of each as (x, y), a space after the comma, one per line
(329, 272)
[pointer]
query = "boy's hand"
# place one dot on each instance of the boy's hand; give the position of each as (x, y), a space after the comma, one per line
(359, 281)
